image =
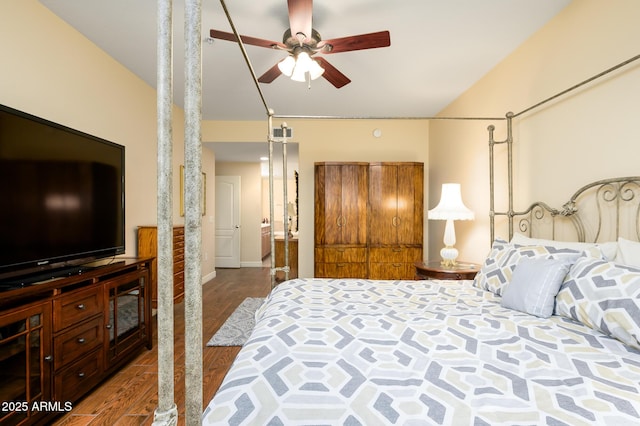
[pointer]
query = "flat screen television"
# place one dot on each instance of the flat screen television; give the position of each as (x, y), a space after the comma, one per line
(61, 195)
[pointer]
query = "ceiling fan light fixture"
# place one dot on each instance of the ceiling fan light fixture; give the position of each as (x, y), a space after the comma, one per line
(315, 70)
(303, 60)
(299, 74)
(287, 65)
(305, 64)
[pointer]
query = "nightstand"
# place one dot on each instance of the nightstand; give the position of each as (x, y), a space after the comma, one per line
(435, 271)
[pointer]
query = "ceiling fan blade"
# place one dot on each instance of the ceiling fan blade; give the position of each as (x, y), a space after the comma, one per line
(222, 35)
(332, 75)
(358, 42)
(300, 17)
(271, 74)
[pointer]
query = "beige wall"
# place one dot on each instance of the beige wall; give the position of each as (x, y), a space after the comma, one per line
(51, 71)
(332, 140)
(588, 135)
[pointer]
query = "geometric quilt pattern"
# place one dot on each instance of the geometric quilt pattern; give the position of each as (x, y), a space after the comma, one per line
(604, 296)
(364, 352)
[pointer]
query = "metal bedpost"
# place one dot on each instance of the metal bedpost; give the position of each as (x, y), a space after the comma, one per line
(166, 413)
(193, 212)
(492, 143)
(272, 239)
(285, 201)
(271, 139)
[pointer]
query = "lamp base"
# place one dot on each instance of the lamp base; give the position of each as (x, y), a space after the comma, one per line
(449, 255)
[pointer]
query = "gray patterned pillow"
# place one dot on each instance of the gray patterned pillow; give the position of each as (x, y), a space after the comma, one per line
(604, 296)
(503, 258)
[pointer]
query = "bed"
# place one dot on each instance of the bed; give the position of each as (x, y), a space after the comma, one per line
(547, 333)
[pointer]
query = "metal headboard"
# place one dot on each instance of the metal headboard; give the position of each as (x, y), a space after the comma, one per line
(600, 211)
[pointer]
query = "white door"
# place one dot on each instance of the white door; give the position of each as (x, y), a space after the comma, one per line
(227, 221)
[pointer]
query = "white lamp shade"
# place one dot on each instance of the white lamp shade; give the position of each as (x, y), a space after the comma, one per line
(315, 70)
(286, 65)
(299, 73)
(451, 205)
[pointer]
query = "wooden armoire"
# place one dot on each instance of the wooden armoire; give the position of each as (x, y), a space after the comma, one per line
(368, 219)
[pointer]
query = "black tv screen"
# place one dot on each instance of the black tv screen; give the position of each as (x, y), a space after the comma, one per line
(62, 195)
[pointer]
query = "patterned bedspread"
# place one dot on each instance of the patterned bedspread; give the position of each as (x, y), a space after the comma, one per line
(360, 352)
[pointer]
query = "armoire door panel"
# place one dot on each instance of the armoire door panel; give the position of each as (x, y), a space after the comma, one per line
(341, 203)
(383, 204)
(333, 204)
(410, 206)
(354, 204)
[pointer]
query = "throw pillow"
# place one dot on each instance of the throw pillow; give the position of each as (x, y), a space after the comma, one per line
(534, 285)
(609, 250)
(604, 296)
(497, 269)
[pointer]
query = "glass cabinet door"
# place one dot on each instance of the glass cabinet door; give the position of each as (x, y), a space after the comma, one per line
(128, 322)
(24, 362)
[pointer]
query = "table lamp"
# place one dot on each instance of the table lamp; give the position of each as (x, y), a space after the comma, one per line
(450, 208)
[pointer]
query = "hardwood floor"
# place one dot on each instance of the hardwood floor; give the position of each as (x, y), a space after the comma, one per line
(130, 396)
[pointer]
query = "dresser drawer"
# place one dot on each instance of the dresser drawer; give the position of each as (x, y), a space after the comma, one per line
(391, 271)
(178, 240)
(395, 254)
(76, 307)
(341, 270)
(77, 342)
(75, 380)
(178, 267)
(341, 254)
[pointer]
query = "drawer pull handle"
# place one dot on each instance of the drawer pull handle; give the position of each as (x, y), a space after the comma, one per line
(81, 340)
(48, 358)
(397, 265)
(81, 374)
(109, 326)
(81, 307)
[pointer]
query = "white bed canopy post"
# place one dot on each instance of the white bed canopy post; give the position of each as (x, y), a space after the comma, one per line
(166, 413)
(492, 212)
(193, 211)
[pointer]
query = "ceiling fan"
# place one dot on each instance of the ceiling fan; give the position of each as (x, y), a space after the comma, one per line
(302, 42)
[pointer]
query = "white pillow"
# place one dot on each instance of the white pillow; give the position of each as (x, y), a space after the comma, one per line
(609, 249)
(628, 252)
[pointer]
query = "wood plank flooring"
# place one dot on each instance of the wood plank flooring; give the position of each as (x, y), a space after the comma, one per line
(130, 396)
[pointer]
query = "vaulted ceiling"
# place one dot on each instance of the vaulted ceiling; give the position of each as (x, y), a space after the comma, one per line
(439, 48)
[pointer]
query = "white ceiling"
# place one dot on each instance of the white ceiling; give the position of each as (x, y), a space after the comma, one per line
(439, 48)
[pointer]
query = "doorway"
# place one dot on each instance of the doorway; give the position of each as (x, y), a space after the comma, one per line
(228, 225)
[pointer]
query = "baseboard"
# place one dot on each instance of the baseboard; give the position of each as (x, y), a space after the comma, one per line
(208, 277)
(251, 264)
